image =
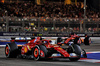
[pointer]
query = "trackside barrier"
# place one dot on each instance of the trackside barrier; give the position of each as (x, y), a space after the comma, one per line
(5, 40)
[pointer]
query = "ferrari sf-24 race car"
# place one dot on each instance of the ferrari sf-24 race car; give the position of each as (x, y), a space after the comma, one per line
(39, 49)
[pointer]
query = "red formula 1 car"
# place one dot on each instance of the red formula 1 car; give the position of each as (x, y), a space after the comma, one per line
(76, 39)
(42, 49)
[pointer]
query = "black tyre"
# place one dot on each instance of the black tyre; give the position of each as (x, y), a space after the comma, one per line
(11, 50)
(43, 51)
(77, 50)
(39, 52)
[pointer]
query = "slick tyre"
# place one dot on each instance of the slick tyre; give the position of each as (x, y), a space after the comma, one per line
(77, 50)
(11, 50)
(39, 52)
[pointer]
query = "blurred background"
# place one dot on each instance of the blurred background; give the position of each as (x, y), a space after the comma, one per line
(79, 16)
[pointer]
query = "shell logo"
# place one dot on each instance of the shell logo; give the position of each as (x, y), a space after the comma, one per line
(25, 49)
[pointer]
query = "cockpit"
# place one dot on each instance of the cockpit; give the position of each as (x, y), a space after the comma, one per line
(53, 42)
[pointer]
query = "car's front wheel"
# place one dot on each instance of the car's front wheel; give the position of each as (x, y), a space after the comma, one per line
(39, 52)
(74, 49)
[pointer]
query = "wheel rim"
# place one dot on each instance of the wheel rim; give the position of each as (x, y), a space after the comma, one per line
(36, 52)
(42, 53)
(7, 50)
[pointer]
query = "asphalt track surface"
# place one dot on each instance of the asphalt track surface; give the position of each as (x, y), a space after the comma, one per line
(55, 62)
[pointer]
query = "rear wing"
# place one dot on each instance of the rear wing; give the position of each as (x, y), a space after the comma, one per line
(21, 39)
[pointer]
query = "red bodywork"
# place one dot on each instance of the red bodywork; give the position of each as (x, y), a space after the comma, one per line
(37, 41)
(71, 38)
(32, 43)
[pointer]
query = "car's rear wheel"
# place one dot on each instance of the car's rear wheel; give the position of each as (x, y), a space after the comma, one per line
(7, 51)
(11, 50)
